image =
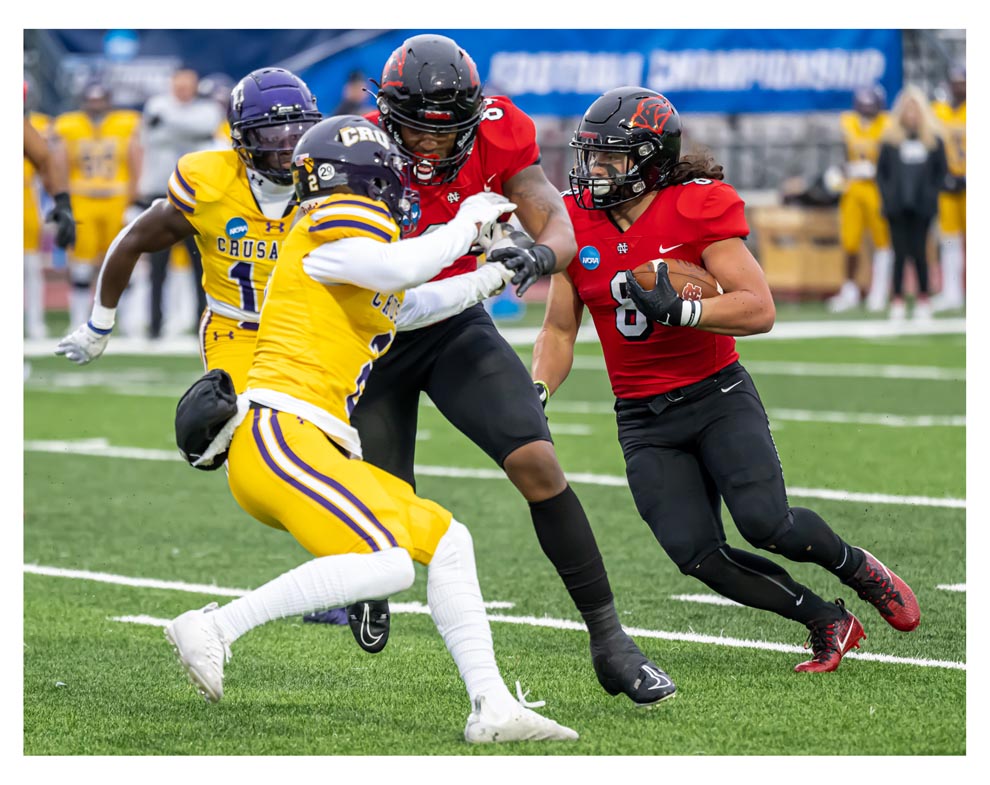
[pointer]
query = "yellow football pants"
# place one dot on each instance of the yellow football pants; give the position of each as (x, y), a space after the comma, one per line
(952, 213)
(859, 210)
(286, 473)
(229, 344)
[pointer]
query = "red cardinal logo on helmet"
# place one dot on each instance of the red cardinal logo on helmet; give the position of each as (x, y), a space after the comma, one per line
(652, 114)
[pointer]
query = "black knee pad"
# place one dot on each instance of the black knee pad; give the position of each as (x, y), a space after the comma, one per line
(761, 535)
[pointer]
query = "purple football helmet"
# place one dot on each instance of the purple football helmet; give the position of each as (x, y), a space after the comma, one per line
(269, 111)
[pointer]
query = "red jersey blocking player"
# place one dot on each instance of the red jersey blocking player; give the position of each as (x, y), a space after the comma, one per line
(691, 424)
(430, 102)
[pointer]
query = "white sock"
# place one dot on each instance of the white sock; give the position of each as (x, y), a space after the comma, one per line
(883, 266)
(34, 296)
(951, 252)
(80, 297)
(454, 597)
(325, 582)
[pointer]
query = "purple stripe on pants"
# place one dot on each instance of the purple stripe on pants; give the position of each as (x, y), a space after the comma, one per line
(303, 489)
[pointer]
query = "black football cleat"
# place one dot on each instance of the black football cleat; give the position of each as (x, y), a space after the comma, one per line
(329, 616)
(370, 624)
(622, 667)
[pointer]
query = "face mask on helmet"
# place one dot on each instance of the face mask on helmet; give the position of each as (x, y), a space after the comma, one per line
(269, 148)
(431, 86)
(627, 144)
(269, 111)
(605, 177)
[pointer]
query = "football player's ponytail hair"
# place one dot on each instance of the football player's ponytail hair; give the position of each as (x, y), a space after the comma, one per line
(696, 166)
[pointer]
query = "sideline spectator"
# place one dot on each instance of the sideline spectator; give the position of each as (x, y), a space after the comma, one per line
(354, 99)
(173, 124)
(859, 205)
(911, 171)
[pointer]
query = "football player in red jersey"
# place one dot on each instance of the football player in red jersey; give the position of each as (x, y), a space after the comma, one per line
(691, 424)
(430, 101)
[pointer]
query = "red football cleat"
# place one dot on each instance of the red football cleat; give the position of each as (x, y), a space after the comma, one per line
(880, 587)
(830, 641)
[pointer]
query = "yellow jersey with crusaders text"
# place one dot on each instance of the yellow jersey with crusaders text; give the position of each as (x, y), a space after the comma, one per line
(97, 151)
(318, 342)
(504, 146)
(953, 121)
(862, 139)
(643, 358)
(238, 244)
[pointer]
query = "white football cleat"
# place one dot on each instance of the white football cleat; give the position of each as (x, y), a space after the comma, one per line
(922, 311)
(898, 311)
(485, 726)
(201, 648)
(847, 298)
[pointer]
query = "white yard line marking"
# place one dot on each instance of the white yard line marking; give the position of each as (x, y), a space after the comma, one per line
(707, 599)
(99, 448)
(636, 632)
(188, 345)
(595, 407)
(959, 587)
(793, 415)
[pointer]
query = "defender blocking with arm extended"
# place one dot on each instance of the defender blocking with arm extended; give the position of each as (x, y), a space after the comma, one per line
(431, 104)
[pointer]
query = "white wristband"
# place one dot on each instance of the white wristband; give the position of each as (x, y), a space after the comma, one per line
(102, 317)
(690, 313)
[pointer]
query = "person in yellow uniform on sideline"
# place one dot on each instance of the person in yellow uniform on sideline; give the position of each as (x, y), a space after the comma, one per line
(96, 143)
(334, 302)
(859, 204)
(952, 201)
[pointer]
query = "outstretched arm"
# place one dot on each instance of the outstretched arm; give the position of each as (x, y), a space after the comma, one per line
(543, 214)
(157, 228)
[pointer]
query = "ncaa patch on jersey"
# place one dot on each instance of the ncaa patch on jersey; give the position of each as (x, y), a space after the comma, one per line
(590, 257)
(236, 227)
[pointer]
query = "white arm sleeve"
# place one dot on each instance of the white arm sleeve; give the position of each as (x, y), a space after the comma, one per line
(435, 301)
(390, 267)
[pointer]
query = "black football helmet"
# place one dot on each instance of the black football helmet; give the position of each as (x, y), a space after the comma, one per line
(632, 121)
(268, 112)
(347, 150)
(431, 84)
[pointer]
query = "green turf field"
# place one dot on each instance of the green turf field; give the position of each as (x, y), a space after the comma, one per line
(882, 459)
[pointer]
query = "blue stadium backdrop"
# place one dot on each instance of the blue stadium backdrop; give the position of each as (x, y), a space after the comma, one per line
(550, 71)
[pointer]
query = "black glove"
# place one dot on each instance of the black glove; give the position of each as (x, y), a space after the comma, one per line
(543, 391)
(955, 184)
(529, 264)
(65, 224)
(662, 303)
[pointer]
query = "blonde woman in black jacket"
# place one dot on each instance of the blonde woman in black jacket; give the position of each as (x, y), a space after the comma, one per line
(910, 171)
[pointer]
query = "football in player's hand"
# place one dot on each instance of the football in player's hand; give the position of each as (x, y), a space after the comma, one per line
(690, 281)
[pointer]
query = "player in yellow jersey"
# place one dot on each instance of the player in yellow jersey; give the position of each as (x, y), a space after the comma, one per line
(96, 143)
(34, 306)
(859, 204)
(952, 201)
(334, 302)
(238, 203)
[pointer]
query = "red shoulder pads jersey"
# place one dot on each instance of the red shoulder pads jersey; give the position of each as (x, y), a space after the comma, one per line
(643, 358)
(504, 146)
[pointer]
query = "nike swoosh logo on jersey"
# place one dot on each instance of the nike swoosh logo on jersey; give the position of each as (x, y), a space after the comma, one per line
(366, 637)
(726, 389)
(664, 250)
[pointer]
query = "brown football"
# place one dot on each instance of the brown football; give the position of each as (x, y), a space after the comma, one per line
(690, 281)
